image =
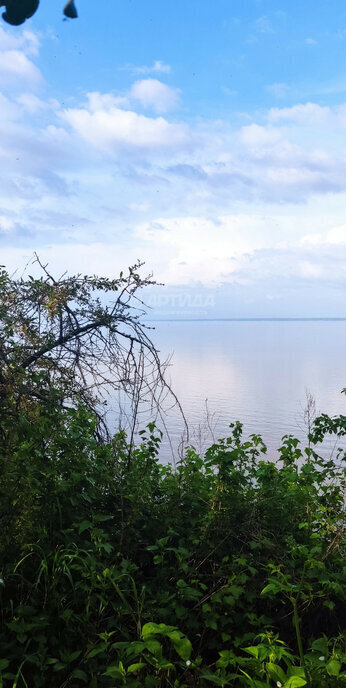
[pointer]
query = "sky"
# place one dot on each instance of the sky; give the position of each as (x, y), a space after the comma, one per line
(207, 139)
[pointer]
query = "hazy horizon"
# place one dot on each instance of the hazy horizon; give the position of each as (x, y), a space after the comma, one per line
(320, 319)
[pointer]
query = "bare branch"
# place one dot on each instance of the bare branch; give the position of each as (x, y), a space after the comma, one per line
(84, 335)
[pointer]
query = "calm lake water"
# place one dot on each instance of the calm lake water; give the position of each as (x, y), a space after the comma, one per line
(257, 372)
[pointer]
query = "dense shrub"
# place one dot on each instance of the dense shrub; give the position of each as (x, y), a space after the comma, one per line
(224, 570)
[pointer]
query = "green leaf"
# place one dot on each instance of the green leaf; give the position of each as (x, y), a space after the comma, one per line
(253, 682)
(320, 645)
(294, 682)
(114, 672)
(73, 655)
(296, 671)
(183, 648)
(100, 518)
(329, 604)
(333, 667)
(150, 628)
(135, 667)
(252, 650)
(275, 672)
(158, 559)
(213, 679)
(271, 588)
(258, 651)
(154, 647)
(78, 673)
(95, 652)
(84, 525)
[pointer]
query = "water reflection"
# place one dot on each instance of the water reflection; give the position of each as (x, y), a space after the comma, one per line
(256, 372)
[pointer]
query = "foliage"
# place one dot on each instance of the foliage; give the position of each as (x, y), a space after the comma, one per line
(227, 570)
(17, 11)
(74, 337)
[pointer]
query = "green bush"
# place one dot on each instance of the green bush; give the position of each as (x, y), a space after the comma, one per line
(227, 570)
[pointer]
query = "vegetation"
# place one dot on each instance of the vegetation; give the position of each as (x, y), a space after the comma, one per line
(225, 570)
(76, 338)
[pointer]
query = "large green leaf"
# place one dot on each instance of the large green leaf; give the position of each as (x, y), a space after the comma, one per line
(294, 682)
(333, 667)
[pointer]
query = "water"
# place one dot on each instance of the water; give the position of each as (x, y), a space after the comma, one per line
(257, 372)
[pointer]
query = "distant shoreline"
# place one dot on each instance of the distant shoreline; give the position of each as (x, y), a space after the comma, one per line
(247, 320)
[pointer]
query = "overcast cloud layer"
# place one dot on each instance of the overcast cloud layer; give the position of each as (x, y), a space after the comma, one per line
(247, 211)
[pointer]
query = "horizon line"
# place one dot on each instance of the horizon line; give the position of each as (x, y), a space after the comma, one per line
(279, 319)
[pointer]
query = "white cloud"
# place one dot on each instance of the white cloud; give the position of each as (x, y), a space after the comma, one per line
(336, 236)
(243, 249)
(6, 224)
(177, 249)
(157, 67)
(307, 113)
(279, 90)
(31, 104)
(308, 269)
(228, 91)
(94, 258)
(264, 25)
(257, 137)
(149, 93)
(16, 66)
(106, 101)
(99, 183)
(106, 127)
(9, 110)
(310, 41)
(152, 93)
(184, 249)
(24, 40)
(312, 122)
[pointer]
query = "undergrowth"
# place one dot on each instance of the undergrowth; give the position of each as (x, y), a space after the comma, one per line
(226, 570)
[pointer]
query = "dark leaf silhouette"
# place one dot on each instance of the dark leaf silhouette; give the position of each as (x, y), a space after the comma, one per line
(70, 10)
(17, 11)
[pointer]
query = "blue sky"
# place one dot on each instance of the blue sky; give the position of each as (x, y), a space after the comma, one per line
(206, 138)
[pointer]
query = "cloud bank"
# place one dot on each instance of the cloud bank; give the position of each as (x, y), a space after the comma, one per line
(254, 201)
